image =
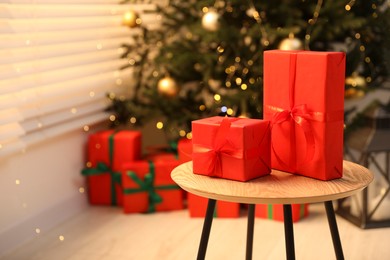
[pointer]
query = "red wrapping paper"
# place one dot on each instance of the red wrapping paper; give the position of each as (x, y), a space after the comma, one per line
(197, 207)
(135, 199)
(126, 148)
(275, 211)
(304, 99)
(231, 148)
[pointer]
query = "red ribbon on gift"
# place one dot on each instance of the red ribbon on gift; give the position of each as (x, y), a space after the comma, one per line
(301, 116)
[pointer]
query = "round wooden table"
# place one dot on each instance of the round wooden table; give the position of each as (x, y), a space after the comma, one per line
(277, 188)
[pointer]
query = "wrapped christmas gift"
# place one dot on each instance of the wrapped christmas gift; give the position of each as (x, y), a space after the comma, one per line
(275, 211)
(148, 187)
(231, 148)
(304, 100)
(107, 151)
(197, 207)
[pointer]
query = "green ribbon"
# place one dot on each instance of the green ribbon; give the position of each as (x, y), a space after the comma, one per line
(148, 186)
(301, 210)
(173, 145)
(101, 168)
(270, 212)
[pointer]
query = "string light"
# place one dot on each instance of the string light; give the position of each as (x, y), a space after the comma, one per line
(217, 97)
(238, 81)
(159, 125)
(182, 133)
(202, 107)
(81, 190)
(61, 238)
(133, 120)
(37, 230)
(112, 118)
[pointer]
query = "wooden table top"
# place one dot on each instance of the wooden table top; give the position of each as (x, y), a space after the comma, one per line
(277, 188)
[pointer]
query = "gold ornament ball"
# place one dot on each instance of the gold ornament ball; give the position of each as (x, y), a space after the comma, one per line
(131, 19)
(211, 21)
(290, 44)
(167, 86)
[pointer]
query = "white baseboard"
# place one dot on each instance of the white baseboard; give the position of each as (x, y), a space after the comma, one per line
(16, 236)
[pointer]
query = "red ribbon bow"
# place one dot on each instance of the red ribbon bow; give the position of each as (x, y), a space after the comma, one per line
(301, 116)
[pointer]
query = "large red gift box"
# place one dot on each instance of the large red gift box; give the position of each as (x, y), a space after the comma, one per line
(304, 99)
(148, 187)
(107, 151)
(275, 211)
(231, 148)
(197, 207)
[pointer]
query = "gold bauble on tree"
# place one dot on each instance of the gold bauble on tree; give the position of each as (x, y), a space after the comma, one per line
(291, 43)
(211, 20)
(167, 86)
(131, 19)
(356, 85)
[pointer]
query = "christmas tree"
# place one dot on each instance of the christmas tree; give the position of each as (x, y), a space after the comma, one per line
(206, 57)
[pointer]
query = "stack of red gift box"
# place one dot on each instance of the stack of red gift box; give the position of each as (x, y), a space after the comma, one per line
(118, 174)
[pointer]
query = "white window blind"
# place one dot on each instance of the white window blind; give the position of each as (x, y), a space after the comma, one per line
(58, 60)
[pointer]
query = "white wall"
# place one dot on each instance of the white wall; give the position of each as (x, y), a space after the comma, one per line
(48, 193)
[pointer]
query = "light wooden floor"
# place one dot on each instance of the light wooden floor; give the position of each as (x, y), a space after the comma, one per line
(107, 233)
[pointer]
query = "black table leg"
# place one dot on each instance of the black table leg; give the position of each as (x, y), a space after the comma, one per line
(288, 232)
(334, 230)
(206, 229)
(249, 234)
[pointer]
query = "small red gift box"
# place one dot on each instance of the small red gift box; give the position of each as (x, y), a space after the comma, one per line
(231, 148)
(148, 187)
(107, 150)
(275, 211)
(304, 99)
(197, 207)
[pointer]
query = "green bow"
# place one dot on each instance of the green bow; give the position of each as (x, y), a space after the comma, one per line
(148, 186)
